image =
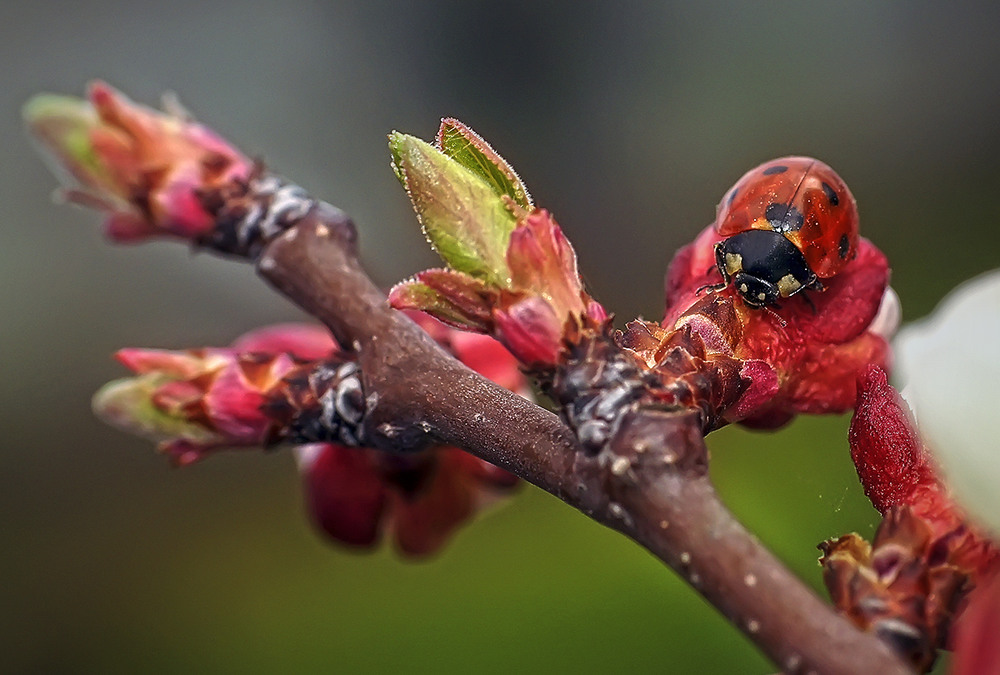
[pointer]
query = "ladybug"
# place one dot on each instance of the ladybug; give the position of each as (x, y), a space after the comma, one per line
(787, 224)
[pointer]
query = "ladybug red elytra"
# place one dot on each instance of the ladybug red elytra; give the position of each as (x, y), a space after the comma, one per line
(788, 224)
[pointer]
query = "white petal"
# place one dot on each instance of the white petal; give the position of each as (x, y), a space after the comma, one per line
(950, 363)
(886, 321)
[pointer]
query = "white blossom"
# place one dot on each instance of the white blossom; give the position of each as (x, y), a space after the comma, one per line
(950, 365)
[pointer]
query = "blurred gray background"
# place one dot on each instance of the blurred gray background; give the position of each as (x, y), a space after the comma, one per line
(629, 121)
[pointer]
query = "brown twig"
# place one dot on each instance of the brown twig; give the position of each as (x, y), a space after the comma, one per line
(654, 487)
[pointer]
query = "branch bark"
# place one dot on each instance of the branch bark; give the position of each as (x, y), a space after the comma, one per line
(654, 489)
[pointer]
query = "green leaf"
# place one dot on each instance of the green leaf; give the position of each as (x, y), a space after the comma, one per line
(463, 217)
(470, 150)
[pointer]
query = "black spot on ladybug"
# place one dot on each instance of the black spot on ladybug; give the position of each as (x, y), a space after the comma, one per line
(784, 218)
(830, 194)
(732, 196)
(777, 168)
(843, 246)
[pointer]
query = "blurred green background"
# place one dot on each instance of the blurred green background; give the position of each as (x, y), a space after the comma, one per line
(629, 121)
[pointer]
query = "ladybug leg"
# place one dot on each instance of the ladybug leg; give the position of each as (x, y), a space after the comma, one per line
(721, 267)
(805, 296)
(712, 287)
(812, 284)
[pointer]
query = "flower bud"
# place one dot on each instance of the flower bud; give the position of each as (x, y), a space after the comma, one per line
(144, 169)
(193, 401)
(816, 349)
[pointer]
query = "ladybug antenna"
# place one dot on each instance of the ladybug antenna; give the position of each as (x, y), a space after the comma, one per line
(774, 314)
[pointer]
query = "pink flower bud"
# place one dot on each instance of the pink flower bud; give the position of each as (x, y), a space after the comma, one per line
(145, 169)
(194, 401)
(532, 330)
(302, 340)
(198, 401)
(543, 264)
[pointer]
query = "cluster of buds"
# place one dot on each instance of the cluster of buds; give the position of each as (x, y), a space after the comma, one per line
(714, 354)
(293, 384)
(162, 175)
(909, 583)
(512, 273)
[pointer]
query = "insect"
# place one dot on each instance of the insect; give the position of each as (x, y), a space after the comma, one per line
(789, 223)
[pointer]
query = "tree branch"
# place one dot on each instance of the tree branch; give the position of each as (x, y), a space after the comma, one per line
(654, 487)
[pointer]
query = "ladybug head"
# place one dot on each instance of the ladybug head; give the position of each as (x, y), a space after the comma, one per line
(764, 267)
(755, 291)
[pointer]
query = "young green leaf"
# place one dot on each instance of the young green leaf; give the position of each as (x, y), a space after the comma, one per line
(463, 217)
(469, 149)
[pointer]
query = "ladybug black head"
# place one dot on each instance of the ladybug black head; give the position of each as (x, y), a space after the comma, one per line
(764, 267)
(755, 291)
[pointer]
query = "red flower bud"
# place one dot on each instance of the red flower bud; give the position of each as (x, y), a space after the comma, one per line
(816, 347)
(896, 469)
(354, 494)
(925, 558)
